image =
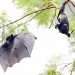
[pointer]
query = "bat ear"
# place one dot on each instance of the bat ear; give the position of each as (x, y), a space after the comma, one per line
(9, 37)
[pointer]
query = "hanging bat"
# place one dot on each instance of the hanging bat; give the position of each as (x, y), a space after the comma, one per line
(15, 48)
(63, 25)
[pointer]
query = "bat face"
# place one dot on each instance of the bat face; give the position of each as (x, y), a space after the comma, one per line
(22, 47)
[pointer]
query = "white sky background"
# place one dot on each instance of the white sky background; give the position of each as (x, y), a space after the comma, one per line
(10, 9)
(49, 46)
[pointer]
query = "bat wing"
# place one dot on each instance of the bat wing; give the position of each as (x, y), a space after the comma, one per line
(22, 47)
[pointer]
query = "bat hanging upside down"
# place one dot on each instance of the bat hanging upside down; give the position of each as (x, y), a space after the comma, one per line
(15, 48)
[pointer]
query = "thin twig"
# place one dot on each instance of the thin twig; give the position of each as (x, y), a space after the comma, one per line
(72, 31)
(67, 65)
(71, 72)
(27, 15)
(30, 19)
(26, 21)
(53, 19)
(72, 3)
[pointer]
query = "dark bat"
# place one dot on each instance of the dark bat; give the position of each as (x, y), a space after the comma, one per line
(63, 25)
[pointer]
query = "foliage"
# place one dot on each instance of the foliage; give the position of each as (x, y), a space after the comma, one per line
(73, 66)
(51, 70)
(28, 3)
(44, 17)
(72, 23)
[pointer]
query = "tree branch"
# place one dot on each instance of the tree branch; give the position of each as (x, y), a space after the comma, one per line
(27, 15)
(67, 65)
(29, 19)
(72, 3)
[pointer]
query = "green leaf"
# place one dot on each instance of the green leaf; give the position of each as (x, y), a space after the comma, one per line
(3, 17)
(28, 3)
(73, 66)
(11, 29)
(51, 70)
(58, 2)
(43, 17)
(22, 28)
(72, 23)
